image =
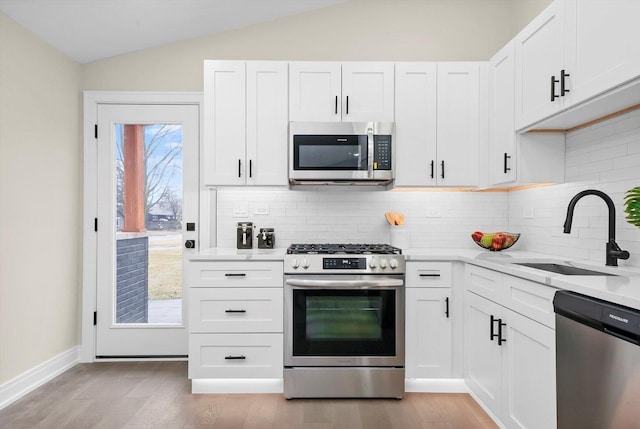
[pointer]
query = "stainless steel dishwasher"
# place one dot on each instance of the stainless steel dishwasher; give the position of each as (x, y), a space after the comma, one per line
(597, 363)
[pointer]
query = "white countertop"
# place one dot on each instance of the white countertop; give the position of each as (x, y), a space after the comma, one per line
(623, 288)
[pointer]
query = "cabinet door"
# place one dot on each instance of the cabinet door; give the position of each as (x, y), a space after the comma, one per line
(428, 333)
(602, 49)
(415, 112)
(483, 356)
(539, 56)
(224, 123)
(502, 136)
(315, 91)
(267, 123)
(458, 129)
(529, 374)
(367, 92)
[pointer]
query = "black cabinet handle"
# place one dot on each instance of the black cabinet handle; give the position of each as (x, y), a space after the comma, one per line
(347, 104)
(491, 334)
(432, 167)
(336, 104)
(239, 168)
(250, 168)
(563, 78)
(553, 88)
(235, 275)
(442, 167)
(235, 311)
(500, 339)
(506, 168)
(429, 275)
(446, 303)
(241, 357)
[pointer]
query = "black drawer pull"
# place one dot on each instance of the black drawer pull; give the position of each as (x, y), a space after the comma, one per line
(235, 311)
(446, 311)
(241, 357)
(500, 339)
(429, 275)
(235, 275)
(491, 334)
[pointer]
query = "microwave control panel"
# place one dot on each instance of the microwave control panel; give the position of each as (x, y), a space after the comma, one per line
(381, 152)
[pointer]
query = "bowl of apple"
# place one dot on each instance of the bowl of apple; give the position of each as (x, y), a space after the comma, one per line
(495, 241)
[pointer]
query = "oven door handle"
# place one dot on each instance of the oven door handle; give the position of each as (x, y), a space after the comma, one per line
(358, 284)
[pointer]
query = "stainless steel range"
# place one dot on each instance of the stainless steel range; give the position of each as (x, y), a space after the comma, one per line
(344, 321)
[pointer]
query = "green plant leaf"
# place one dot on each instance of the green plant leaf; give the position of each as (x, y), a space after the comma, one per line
(632, 206)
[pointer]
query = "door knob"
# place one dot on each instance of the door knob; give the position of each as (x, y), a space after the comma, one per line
(190, 244)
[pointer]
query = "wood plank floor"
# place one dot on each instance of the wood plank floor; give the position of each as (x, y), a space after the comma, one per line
(158, 395)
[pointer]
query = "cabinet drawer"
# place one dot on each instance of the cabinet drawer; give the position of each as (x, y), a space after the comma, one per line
(530, 299)
(484, 282)
(429, 274)
(235, 274)
(235, 355)
(235, 310)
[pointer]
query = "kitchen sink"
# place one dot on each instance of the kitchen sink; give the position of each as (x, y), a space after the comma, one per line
(567, 270)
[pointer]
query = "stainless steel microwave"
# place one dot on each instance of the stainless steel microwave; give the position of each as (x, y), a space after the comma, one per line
(341, 153)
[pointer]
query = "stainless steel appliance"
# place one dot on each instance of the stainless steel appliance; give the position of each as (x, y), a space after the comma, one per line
(344, 321)
(597, 363)
(341, 153)
(244, 235)
(266, 238)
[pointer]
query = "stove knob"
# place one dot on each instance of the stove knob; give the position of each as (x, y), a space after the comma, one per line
(295, 263)
(393, 264)
(305, 263)
(372, 263)
(383, 263)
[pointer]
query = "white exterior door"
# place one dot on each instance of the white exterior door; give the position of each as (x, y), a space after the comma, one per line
(147, 164)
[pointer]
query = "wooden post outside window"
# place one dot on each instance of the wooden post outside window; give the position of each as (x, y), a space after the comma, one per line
(134, 179)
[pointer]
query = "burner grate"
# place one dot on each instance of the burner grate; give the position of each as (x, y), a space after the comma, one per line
(331, 248)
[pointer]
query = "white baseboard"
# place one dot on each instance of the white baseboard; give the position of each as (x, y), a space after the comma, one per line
(435, 385)
(27, 382)
(236, 385)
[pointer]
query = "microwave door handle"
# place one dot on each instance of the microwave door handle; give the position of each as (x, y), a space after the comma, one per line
(370, 154)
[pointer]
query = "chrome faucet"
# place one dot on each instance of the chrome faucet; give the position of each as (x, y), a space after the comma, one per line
(613, 250)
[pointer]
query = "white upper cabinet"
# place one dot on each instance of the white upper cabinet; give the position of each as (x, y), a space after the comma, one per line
(416, 104)
(517, 158)
(224, 122)
(573, 52)
(437, 124)
(245, 123)
(502, 136)
(334, 92)
(602, 45)
(539, 61)
(458, 124)
(267, 123)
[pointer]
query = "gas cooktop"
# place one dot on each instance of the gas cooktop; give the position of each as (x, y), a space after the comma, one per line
(354, 249)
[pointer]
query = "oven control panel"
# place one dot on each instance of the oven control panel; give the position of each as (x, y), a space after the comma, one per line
(344, 263)
(364, 264)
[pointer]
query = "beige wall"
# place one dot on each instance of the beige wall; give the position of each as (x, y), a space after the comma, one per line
(40, 201)
(388, 30)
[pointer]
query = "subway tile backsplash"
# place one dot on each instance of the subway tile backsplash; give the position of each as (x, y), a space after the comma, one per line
(604, 156)
(336, 217)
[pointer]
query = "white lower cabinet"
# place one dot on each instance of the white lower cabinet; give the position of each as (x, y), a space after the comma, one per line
(235, 320)
(428, 333)
(509, 357)
(428, 330)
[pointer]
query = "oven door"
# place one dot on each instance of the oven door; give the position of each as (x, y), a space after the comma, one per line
(345, 320)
